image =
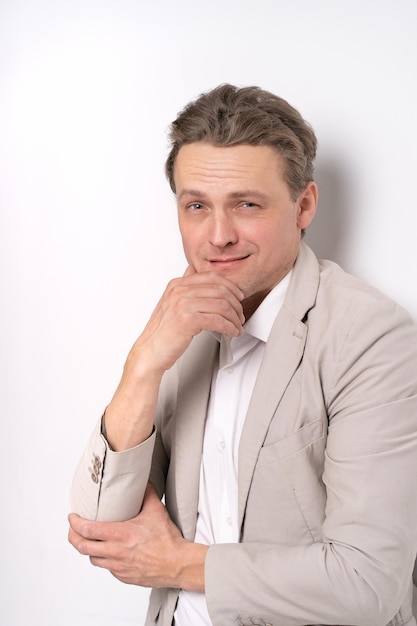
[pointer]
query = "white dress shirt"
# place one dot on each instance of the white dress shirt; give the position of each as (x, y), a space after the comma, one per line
(231, 389)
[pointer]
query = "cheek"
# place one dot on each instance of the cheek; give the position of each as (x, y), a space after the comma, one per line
(271, 240)
(186, 235)
(279, 245)
(191, 247)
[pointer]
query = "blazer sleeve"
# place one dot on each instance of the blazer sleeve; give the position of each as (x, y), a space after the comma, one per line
(110, 486)
(107, 485)
(360, 572)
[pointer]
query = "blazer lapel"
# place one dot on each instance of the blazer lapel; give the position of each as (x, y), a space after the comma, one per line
(283, 352)
(193, 395)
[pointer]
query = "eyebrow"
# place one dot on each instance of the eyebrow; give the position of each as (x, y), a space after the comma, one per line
(194, 193)
(233, 195)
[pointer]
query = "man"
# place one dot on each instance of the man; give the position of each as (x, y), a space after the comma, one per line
(284, 397)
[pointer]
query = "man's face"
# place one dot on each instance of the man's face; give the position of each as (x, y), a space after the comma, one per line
(237, 216)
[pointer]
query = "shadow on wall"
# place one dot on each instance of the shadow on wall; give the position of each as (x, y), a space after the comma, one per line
(330, 232)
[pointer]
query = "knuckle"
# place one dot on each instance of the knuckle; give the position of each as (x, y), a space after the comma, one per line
(225, 306)
(181, 300)
(172, 283)
(81, 547)
(224, 291)
(220, 321)
(86, 530)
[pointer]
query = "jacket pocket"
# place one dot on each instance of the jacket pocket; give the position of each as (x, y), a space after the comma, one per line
(287, 498)
(294, 443)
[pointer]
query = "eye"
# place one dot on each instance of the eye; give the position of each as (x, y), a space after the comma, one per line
(195, 206)
(249, 205)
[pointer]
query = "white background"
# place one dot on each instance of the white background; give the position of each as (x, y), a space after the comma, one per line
(88, 224)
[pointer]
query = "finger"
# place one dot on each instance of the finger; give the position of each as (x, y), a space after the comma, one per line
(94, 531)
(219, 323)
(224, 309)
(84, 546)
(217, 279)
(83, 527)
(197, 314)
(76, 522)
(189, 271)
(91, 547)
(205, 297)
(191, 277)
(207, 300)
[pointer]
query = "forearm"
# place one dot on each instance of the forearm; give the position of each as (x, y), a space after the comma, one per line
(113, 472)
(129, 418)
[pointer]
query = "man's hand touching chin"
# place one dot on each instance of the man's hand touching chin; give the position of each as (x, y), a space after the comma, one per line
(195, 302)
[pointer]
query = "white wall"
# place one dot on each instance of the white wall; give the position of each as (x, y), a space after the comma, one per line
(88, 226)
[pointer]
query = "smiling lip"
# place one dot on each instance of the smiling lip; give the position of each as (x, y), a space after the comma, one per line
(227, 262)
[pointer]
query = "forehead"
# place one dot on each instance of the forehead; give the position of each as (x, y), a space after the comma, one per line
(206, 163)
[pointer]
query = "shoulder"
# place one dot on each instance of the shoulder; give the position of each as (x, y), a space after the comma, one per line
(352, 303)
(348, 321)
(327, 291)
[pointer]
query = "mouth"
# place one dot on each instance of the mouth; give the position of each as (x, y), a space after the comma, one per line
(227, 262)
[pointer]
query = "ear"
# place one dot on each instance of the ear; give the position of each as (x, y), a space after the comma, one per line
(307, 204)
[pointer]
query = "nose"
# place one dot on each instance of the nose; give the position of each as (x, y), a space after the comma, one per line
(223, 230)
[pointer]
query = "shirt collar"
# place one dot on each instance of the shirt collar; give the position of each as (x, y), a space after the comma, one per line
(260, 323)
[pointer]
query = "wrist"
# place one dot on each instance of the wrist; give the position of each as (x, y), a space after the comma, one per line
(191, 560)
(129, 417)
(142, 365)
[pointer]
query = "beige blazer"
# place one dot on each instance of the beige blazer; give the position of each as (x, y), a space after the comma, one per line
(327, 464)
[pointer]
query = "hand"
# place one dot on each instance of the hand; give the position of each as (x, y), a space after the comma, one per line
(147, 550)
(189, 305)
